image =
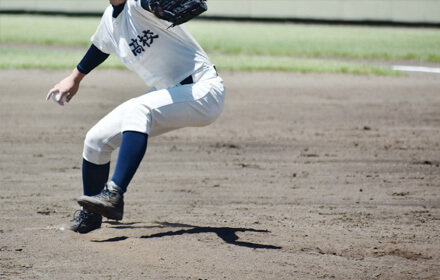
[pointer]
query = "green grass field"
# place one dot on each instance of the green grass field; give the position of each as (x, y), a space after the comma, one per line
(62, 41)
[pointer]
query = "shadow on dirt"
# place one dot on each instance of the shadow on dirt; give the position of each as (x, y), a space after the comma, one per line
(227, 234)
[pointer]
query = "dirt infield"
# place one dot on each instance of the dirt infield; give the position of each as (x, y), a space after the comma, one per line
(302, 177)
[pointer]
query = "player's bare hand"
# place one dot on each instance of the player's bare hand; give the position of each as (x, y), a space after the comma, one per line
(63, 91)
(66, 89)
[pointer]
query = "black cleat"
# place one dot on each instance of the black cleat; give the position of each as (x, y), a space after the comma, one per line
(84, 222)
(109, 203)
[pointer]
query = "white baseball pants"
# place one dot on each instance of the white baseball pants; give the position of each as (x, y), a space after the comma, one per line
(157, 112)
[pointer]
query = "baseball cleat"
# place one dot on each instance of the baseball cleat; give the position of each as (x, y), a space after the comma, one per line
(84, 222)
(109, 203)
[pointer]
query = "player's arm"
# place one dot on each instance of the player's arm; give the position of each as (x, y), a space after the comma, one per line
(69, 86)
(92, 59)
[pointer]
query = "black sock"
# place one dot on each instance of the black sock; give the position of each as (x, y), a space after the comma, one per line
(131, 152)
(94, 177)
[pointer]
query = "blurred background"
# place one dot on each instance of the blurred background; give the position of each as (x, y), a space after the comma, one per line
(391, 11)
(320, 36)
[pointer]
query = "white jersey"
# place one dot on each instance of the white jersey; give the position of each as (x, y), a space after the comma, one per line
(161, 57)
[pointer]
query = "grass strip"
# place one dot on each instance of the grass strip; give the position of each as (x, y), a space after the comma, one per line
(273, 39)
(13, 58)
(47, 30)
(47, 59)
(299, 65)
(319, 40)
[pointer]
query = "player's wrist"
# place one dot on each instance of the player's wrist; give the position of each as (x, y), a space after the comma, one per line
(77, 76)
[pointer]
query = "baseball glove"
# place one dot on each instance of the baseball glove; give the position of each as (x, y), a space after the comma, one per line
(177, 11)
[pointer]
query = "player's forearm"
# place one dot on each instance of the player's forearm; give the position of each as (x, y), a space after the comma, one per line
(93, 58)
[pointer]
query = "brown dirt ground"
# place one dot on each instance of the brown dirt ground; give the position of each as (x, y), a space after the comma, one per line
(302, 177)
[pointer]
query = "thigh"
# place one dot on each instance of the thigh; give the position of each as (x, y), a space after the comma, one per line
(189, 105)
(161, 111)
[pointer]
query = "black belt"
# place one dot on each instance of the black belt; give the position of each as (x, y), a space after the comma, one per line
(189, 80)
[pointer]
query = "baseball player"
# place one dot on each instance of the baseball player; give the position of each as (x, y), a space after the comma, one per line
(186, 92)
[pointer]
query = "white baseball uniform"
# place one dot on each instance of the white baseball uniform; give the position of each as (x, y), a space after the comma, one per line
(162, 58)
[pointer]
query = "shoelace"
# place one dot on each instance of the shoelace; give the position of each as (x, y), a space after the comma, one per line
(106, 193)
(81, 216)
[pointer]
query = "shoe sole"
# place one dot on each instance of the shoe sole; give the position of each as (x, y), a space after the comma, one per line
(91, 207)
(83, 230)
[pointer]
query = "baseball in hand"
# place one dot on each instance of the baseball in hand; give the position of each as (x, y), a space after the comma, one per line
(56, 97)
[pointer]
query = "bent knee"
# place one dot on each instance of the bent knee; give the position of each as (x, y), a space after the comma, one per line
(98, 147)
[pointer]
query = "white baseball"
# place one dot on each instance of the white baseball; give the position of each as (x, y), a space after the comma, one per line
(56, 98)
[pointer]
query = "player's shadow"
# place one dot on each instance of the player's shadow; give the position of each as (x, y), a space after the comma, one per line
(227, 234)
